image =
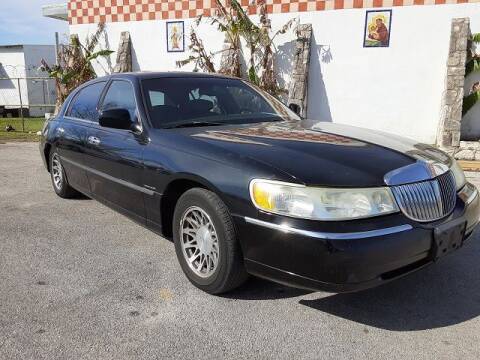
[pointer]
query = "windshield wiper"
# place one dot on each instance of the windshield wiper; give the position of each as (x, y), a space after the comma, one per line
(194, 124)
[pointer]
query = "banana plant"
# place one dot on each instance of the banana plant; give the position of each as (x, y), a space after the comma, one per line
(236, 25)
(472, 66)
(75, 64)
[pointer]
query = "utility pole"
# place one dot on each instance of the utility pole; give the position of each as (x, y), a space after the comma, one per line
(21, 104)
(56, 48)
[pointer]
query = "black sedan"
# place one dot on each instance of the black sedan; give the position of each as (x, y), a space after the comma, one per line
(244, 186)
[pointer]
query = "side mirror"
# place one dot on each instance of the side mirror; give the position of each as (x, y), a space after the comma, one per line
(295, 108)
(116, 119)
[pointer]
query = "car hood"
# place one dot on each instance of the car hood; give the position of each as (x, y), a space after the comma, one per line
(321, 153)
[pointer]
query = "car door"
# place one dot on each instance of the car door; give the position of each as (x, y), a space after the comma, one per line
(71, 134)
(114, 156)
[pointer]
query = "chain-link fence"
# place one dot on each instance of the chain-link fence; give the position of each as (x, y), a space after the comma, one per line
(26, 97)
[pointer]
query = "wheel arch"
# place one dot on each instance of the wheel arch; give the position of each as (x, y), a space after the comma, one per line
(174, 190)
(46, 153)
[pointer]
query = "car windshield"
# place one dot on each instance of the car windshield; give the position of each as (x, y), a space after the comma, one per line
(196, 101)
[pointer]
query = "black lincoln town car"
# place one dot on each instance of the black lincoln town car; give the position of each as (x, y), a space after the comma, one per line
(244, 186)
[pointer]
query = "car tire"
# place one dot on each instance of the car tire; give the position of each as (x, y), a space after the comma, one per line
(213, 237)
(59, 177)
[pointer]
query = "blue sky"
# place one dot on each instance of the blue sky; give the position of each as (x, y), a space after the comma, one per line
(21, 22)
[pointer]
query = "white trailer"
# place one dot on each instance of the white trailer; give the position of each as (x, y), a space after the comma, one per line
(22, 83)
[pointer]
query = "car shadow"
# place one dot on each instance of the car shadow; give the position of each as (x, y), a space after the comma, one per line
(444, 294)
(259, 289)
(81, 196)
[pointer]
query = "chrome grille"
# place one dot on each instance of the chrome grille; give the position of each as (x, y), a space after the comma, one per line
(427, 200)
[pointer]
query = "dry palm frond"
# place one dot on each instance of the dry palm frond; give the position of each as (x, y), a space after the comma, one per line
(199, 57)
(75, 64)
(227, 23)
(92, 42)
(268, 79)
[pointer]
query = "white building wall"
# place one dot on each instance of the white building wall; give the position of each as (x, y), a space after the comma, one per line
(39, 91)
(396, 89)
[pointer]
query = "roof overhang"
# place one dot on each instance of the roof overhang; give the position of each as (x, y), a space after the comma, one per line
(12, 46)
(56, 11)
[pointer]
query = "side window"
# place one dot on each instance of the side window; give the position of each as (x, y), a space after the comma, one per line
(84, 105)
(120, 95)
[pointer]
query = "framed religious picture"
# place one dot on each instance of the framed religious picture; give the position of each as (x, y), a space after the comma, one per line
(377, 28)
(175, 36)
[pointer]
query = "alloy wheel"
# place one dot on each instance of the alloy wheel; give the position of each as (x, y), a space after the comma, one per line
(57, 172)
(199, 241)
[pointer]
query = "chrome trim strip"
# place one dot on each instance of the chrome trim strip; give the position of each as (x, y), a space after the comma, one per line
(427, 201)
(71, 118)
(328, 235)
(416, 172)
(111, 178)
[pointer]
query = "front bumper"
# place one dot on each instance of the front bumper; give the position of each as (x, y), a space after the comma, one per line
(363, 254)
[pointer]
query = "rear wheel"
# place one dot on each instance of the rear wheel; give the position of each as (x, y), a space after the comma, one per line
(206, 243)
(59, 178)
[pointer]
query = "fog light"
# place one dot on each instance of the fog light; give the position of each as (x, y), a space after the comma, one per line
(468, 193)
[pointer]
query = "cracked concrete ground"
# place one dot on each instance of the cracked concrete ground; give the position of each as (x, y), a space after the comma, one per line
(79, 281)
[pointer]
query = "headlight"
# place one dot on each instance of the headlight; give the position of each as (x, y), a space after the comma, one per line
(458, 174)
(320, 203)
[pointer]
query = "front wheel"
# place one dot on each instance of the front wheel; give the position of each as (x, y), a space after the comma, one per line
(59, 178)
(206, 243)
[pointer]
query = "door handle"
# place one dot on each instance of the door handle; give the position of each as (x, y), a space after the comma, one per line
(93, 140)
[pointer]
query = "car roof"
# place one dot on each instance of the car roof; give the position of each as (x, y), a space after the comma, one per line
(164, 74)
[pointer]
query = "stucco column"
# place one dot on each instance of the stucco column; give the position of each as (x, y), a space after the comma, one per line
(124, 54)
(297, 93)
(451, 115)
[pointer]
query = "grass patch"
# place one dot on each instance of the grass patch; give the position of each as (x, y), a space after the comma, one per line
(32, 125)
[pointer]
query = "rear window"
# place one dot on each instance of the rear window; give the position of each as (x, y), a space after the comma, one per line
(84, 104)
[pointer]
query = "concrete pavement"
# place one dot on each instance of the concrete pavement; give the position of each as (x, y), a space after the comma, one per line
(79, 281)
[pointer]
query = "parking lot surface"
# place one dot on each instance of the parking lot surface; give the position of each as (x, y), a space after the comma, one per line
(79, 281)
